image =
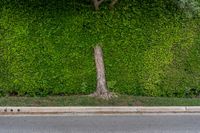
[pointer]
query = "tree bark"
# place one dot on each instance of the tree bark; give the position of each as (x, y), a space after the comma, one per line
(101, 88)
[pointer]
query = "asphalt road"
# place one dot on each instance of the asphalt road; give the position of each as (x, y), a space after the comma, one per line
(101, 124)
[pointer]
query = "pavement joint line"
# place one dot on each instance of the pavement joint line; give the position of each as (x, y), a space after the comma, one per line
(8, 110)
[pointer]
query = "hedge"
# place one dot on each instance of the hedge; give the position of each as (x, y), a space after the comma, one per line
(46, 48)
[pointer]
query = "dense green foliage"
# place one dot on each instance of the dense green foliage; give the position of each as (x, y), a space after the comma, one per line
(46, 48)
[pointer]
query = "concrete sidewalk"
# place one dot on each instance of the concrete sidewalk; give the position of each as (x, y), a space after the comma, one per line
(98, 110)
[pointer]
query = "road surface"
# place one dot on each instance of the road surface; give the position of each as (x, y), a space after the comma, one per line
(101, 124)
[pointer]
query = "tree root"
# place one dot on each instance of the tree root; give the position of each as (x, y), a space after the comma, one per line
(105, 96)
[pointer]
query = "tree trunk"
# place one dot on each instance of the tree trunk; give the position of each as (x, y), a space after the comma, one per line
(97, 3)
(112, 4)
(101, 89)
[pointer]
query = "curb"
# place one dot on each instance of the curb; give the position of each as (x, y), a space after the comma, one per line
(97, 110)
